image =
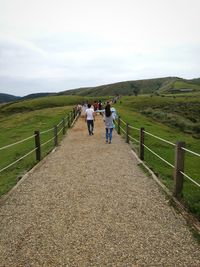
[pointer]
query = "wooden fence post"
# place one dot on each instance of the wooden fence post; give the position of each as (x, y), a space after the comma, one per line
(55, 135)
(68, 121)
(64, 127)
(179, 167)
(71, 118)
(142, 143)
(127, 133)
(119, 123)
(37, 145)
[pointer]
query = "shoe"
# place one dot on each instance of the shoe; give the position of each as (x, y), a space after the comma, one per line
(109, 142)
(106, 141)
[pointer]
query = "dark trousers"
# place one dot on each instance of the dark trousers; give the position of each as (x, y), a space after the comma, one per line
(90, 124)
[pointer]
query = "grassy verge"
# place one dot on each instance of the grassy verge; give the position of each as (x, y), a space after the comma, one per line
(18, 126)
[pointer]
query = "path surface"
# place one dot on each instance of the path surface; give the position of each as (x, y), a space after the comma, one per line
(88, 204)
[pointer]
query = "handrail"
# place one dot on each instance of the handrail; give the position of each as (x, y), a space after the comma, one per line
(153, 152)
(168, 142)
(190, 178)
(133, 139)
(190, 151)
(122, 129)
(36, 148)
(47, 142)
(18, 142)
(158, 156)
(11, 164)
(123, 121)
(134, 128)
(46, 131)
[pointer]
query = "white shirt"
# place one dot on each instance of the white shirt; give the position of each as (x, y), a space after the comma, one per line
(90, 114)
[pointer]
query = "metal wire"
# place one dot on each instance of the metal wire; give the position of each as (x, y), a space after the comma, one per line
(18, 160)
(59, 123)
(123, 121)
(133, 128)
(192, 152)
(190, 178)
(158, 156)
(168, 142)
(47, 141)
(47, 131)
(134, 139)
(122, 129)
(21, 141)
(60, 131)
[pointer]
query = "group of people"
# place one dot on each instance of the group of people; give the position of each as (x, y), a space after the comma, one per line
(109, 115)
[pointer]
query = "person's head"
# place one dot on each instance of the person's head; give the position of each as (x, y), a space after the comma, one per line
(107, 110)
(89, 105)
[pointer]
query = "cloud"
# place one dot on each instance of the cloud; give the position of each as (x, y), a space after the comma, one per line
(57, 45)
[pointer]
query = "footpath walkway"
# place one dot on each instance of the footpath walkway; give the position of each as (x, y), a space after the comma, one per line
(89, 204)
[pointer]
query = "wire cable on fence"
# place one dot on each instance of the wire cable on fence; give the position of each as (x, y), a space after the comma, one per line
(184, 174)
(134, 128)
(75, 119)
(168, 142)
(59, 123)
(122, 121)
(122, 129)
(192, 152)
(47, 141)
(134, 139)
(11, 164)
(21, 141)
(47, 131)
(60, 131)
(158, 156)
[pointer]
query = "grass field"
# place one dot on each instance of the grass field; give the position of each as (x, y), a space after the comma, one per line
(18, 121)
(18, 127)
(132, 110)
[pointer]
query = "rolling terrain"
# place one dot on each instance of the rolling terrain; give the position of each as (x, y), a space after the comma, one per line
(167, 85)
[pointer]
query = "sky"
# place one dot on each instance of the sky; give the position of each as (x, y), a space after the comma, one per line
(56, 45)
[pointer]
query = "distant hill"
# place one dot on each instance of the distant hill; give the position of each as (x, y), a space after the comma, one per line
(148, 86)
(167, 85)
(4, 98)
(37, 95)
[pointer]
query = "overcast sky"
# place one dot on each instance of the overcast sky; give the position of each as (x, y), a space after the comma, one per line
(55, 45)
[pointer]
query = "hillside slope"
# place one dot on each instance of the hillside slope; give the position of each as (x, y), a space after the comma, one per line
(149, 86)
(4, 98)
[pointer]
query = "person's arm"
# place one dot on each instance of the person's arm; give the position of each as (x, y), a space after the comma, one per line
(100, 110)
(85, 116)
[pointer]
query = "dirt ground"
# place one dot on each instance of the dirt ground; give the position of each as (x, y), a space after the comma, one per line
(89, 204)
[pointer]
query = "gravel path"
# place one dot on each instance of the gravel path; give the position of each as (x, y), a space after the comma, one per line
(89, 204)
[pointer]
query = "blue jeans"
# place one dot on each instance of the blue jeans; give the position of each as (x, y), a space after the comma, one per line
(109, 134)
(90, 124)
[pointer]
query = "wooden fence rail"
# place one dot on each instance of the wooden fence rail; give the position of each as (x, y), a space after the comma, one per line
(178, 174)
(70, 118)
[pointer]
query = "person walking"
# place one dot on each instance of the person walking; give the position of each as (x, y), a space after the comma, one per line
(90, 118)
(108, 119)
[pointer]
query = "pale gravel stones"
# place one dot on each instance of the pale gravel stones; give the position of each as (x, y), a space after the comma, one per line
(88, 204)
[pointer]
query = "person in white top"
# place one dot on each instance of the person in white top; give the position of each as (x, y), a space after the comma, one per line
(89, 118)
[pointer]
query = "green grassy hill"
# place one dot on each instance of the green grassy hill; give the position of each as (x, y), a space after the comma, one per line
(149, 86)
(167, 85)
